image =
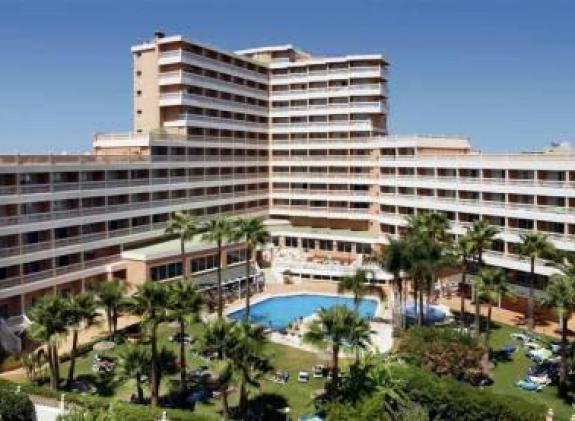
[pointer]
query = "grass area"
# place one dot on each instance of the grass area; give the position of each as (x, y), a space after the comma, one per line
(506, 373)
(293, 394)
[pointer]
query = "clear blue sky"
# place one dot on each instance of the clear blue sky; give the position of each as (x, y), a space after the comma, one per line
(499, 71)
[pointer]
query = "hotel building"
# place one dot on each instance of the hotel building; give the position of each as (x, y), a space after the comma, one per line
(273, 132)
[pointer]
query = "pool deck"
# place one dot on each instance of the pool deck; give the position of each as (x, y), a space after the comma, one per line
(382, 339)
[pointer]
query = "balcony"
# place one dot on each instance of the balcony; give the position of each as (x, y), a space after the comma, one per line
(351, 72)
(358, 89)
(217, 122)
(180, 56)
(184, 98)
(363, 125)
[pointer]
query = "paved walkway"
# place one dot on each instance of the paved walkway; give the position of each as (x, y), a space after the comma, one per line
(507, 317)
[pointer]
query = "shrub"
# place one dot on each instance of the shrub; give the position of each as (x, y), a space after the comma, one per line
(16, 406)
(447, 399)
(445, 352)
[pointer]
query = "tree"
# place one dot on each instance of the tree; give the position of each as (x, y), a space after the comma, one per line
(534, 245)
(464, 251)
(359, 335)
(80, 308)
(184, 303)
(482, 235)
(135, 362)
(248, 360)
(16, 406)
(49, 322)
(332, 330)
(254, 234)
(218, 230)
(110, 295)
(492, 284)
(149, 302)
(356, 284)
(394, 260)
(560, 295)
(421, 257)
(186, 227)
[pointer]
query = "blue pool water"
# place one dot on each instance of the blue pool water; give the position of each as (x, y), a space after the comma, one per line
(278, 312)
(431, 314)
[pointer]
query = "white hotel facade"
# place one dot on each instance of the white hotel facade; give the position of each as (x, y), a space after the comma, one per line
(273, 132)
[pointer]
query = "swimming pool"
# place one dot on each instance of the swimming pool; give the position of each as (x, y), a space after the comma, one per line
(278, 312)
(431, 314)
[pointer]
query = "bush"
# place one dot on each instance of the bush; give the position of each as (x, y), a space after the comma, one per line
(445, 352)
(16, 406)
(447, 399)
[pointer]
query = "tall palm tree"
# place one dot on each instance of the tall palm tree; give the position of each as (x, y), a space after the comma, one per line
(359, 336)
(135, 362)
(184, 303)
(393, 260)
(560, 295)
(149, 302)
(492, 284)
(49, 325)
(482, 235)
(80, 308)
(110, 295)
(254, 234)
(464, 251)
(534, 245)
(248, 360)
(218, 230)
(421, 265)
(332, 330)
(186, 227)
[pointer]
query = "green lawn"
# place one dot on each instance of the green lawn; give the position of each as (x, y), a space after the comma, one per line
(293, 394)
(507, 373)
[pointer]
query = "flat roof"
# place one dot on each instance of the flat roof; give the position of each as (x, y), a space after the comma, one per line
(328, 233)
(168, 248)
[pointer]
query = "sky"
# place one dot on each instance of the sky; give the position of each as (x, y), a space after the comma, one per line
(501, 72)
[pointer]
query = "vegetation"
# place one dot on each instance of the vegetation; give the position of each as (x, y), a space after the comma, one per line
(185, 227)
(219, 230)
(15, 406)
(110, 296)
(491, 284)
(534, 245)
(254, 234)
(443, 351)
(464, 252)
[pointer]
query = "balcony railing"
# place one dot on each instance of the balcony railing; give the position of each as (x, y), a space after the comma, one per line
(239, 106)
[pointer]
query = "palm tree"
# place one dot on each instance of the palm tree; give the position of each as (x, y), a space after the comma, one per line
(248, 360)
(80, 308)
(49, 323)
(218, 230)
(420, 267)
(184, 303)
(149, 302)
(560, 295)
(332, 330)
(464, 251)
(360, 336)
(186, 228)
(394, 260)
(135, 362)
(254, 234)
(534, 245)
(482, 235)
(356, 284)
(491, 285)
(110, 295)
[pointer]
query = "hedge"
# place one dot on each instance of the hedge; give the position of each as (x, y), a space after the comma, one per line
(447, 399)
(16, 406)
(123, 410)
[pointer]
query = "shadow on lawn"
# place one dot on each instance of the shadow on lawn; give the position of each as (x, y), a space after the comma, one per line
(269, 405)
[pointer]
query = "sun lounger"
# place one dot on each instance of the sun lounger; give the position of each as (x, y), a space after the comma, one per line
(529, 386)
(318, 371)
(303, 377)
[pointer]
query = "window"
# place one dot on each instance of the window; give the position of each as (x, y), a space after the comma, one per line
(235, 256)
(362, 248)
(325, 245)
(291, 241)
(139, 112)
(276, 241)
(138, 73)
(344, 246)
(138, 93)
(203, 263)
(308, 243)
(171, 270)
